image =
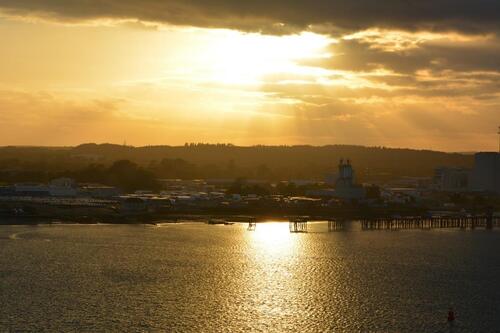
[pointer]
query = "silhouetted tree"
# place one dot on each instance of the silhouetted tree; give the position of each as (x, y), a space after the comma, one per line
(372, 192)
(130, 177)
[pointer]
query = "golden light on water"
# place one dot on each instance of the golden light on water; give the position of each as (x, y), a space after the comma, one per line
(273, 238)
(274, 255)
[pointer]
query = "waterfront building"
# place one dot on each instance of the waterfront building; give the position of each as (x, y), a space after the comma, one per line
(345, 187)
(401, 194)
(452, 179)
(31, 189)
(485, 176)
(343, 182)
(63, 182)
(321, 193)
(63, 187)
(99, 191)
(133, 205)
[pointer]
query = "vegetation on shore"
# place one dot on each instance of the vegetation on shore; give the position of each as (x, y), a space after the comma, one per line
(137, 167)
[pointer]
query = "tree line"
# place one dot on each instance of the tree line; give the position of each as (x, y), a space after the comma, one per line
(106, 164)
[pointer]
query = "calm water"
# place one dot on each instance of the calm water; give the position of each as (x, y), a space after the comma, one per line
(200, 278)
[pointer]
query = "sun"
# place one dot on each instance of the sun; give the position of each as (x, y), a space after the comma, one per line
(246, 58)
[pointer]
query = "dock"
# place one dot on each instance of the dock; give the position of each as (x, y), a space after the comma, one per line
(252, 224)
(336, 225)
(298, 224)
(434, 222)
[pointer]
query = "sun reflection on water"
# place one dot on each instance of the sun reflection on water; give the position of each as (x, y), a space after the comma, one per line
(273, 238)
(272, 285)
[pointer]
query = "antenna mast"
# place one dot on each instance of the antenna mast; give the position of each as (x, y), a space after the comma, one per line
(499, 139)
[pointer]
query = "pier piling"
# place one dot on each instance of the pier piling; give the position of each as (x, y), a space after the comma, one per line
(298, 224)
(335, 225)
(434, 222)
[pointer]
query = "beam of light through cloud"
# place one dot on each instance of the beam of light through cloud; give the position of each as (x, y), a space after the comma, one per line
(216, 71)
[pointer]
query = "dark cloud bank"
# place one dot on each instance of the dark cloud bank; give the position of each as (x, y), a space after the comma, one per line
(469, 16)
(458, 93)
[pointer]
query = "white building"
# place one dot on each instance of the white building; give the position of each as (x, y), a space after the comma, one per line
(345, 188)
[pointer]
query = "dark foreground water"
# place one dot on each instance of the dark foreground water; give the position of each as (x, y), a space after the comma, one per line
(200, 278)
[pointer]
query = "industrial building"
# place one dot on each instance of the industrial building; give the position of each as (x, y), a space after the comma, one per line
(345, 187)
(485, 176)
(452, 179)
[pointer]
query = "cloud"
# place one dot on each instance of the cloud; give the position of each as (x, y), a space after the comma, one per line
(460, 123)
(30, 109)
(407, 73)
(471, 16)
(45, 118)
(390, 64)
(416, 89)
(407, 55)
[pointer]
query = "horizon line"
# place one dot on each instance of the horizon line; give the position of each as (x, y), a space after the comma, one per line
(190, 144)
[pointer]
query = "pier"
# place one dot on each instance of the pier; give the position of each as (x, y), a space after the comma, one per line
(435, 222)
(336, 225)
(252, 224)
(298, 224)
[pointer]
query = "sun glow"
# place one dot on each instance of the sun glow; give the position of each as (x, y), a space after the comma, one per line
(238, 58)
(273, 238)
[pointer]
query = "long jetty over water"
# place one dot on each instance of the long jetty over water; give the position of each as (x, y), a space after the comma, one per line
(299, 224)
(462, 222)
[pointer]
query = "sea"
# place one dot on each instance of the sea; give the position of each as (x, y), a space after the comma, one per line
(194, 277)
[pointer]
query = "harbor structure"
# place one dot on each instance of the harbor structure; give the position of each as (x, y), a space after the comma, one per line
(485, 176)
(345, 186)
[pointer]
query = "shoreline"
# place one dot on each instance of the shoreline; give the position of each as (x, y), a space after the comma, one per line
(137, 219)
(154, 219)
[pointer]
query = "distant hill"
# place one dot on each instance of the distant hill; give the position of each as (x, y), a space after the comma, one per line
(228, 161)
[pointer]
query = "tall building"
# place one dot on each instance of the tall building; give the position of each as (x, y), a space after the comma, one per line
(346, 174)
(345, 187)
(486, 173)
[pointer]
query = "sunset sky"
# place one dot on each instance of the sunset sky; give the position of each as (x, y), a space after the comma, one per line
(418, 74)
